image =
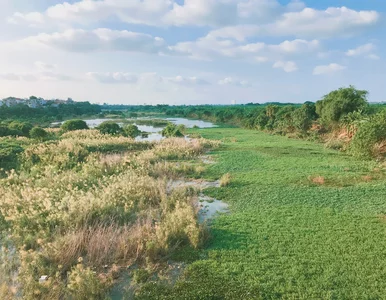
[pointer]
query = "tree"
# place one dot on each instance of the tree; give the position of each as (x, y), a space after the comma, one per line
(71, 125)
(38, 133)
(110, 127)
(131, 131)
(172, 130)
(340, 102)
(304, 116)
(23, 127)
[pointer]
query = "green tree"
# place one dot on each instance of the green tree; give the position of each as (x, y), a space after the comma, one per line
(131, 130)
(304, 116)
(110, 127)
(340, 102)
(38, 133)
(172, 130)
(71, 125)
(23, 127)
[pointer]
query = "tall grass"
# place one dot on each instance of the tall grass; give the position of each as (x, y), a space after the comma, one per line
(85, 202)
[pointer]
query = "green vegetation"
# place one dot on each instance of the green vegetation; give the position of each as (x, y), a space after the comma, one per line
(306, 222)
(109, 127)
(72, 125)
(172, 130)
(38, 133)
(131, 131)
(84, 205)
(48, 113)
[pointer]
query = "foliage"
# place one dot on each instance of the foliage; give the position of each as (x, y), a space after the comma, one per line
(38, 133)
(131, 130)
(109, 127)
(172, 130)
(72, 125)
(74, 208)
(340, 102)
(369, 133)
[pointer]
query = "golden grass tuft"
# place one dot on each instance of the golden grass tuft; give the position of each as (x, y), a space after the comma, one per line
(225, 180)
(318, 180)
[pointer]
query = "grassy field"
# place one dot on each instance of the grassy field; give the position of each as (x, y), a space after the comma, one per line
(305, 223)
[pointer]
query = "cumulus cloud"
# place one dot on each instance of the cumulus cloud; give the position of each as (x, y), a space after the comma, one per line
(113, 77)
(86, 11)
(287, 66)
(234, 82)
(334, 21)
(210, 47)
(328, 69)
(363, 50)
(38, 76)
(102, 39)
(128, 78)
(271, 17)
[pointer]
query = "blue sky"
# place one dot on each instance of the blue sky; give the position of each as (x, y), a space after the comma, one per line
(191, 51)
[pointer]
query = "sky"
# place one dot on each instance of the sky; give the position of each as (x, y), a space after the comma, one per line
(191, 51)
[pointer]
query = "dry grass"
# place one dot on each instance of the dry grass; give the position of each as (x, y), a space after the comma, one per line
(318, 180)
(70, 202)
(225, 180)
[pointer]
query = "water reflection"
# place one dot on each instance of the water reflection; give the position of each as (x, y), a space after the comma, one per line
(153, 133)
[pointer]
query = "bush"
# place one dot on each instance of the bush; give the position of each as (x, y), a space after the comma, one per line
(109, 127)
(172, 130)
(71, 125)
(340, 102)
(132, 131)
(38, 133)
(22, 127)
(9, 155)
(369, 133)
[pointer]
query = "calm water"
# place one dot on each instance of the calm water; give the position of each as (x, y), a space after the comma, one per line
(154, 132)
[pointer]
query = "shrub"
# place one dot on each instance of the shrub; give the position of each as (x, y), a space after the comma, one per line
(38, 133)
(369, 133)
(71, 125)
(110, 127)
(339, 103)
(22, 127)
(172, 130)
(84, 284)
(9, 152)
(132, 131)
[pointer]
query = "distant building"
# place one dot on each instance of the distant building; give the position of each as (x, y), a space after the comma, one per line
(11, 101)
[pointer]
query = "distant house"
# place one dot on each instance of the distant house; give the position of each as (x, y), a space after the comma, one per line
(11, 101)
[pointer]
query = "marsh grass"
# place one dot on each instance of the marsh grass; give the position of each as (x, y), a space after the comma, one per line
(86, 202)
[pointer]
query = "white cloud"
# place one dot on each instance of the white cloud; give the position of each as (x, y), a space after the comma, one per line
(328, 69)
(211, 47)
(287, 66)
(87, 11)
(234, 82)
(334, 21)
(373, 56)
(269, 16)
(102, 39)
(203, 13)
(44, 66)
(128, 78)
(362, 50)
(113, 77)
(186, 80)
(38, 76)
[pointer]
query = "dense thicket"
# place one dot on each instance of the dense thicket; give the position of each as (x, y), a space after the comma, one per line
(48, 113)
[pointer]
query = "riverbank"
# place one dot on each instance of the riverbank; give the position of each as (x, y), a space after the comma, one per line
(306, 223)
